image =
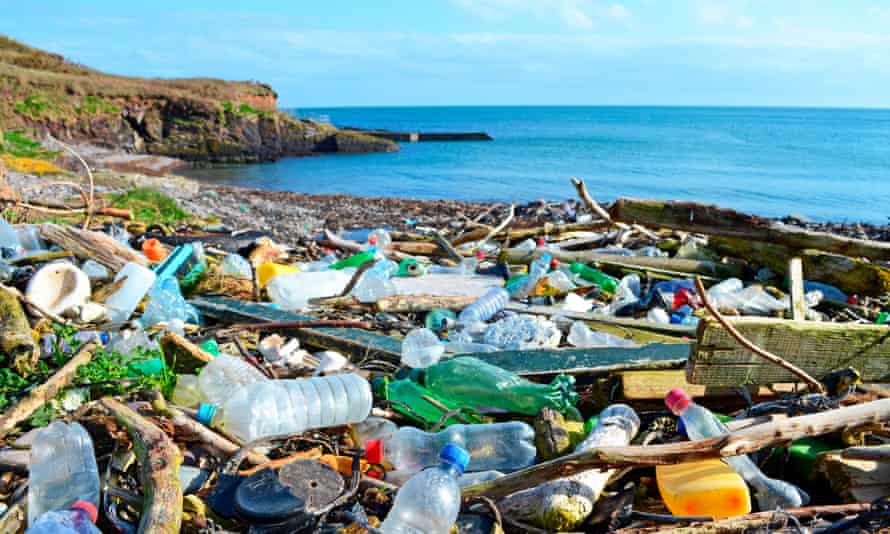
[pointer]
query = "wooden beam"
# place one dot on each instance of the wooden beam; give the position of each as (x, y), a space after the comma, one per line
(649, 385)
(585, 361)
(86, 244)
(795, 281)
(817, 348)
(714, 220)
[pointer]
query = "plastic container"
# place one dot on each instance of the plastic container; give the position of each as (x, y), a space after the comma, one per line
(10, 246)
(616, 425)
(430, 501)
(276, 407)
(187, 393)
(225, 375)
(536, 270)
(601, 279)
(167, 304)
(269, 270)
(701, 423)
(502, 446)
(379, 238)
(29, 237)
(372, 428)
(154, 250)
(121, 303)
(95, 271)
(467, 266)
(707, 488)
(486, 307)
(293, 291)
(58, 287)
(187, 263)
(63, 470)
(80, 519)
(238, 266)
(421, 348)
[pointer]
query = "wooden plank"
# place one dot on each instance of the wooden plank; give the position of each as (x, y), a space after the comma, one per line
(654, 385)
(818, 348)
(586, 361)
(795, 281)
(855, 480)
(710, 219)
(357, 343)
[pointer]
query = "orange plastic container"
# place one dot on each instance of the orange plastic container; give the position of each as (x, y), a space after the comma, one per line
(154, 250)
(707, 488)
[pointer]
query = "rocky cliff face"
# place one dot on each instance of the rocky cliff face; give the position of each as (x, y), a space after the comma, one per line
(200, 120)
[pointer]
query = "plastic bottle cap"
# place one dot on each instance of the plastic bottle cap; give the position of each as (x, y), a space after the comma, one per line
(677, 400)
(374, 451)
(455, 455)
(853, 299)
(554, 264)
(480, 255)
(540, 242)
(372, 239)
(87, 507)
(205, 413)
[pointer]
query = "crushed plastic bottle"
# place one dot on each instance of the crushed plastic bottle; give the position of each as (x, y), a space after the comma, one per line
(79, 519)
(356, 260)
(63, 469)
(581, 336)
(372, 287)
(224, 375)
(700, 423)
(293, 291)
(123, 302)
(503, 446)
(430, 501)
(127, 342)
(187, 393)
(95, 271)
(536, 270)
(237, 265)
(421, 348)
(379, 238)
(751, 300)
(166, 304)
(486, 307)
(372, 428)
(520, 332)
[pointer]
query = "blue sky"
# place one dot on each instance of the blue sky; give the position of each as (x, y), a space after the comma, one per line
(488, 52)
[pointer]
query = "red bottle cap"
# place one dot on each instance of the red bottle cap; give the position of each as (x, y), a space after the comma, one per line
(374, 451)
(87, 507)
(853, 299)
(372, 239)
(684, 297)
(480, 255)
(541, 242)
(554, 264)
(677, 400)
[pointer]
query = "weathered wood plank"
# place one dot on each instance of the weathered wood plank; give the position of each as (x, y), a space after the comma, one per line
(714, 220)
(585, 361)
(855, 480)
(648, 385)
(818, 348)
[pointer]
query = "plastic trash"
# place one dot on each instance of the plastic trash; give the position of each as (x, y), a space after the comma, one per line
(167, 304)
(536, 270)
(269, 270)
(10, 246)
(662, 293)
(700, 423)
(486, 307)
(601, 279)
(58, 287)
(421, 348)
(275, 407)
(581, 336)
(154, 250)
(29, 238)
(438, 318)
(502, 446)
(330, 361)
(224, 375)
(528, 244)
(658, 315)
(372, 287)
(80, 519)
(372, 428)
(626, 298)
(127, 342)
(410, 399)
(95, 271)
(520, 332)
(279, 352)
(751, 300)
(379, 238)
(430, 501)
(187, 392)
(829, 292)
(467, 266)
(186, 263)
(356, 260)
(293, 291)
(384, 268)
(238, 266)
(63, 470)
(123, 302)
(705, 488)
(576, 303)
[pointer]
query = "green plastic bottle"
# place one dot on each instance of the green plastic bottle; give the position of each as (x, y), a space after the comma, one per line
(468, 382)
(601, 279)
(356, 260)
(408, 399)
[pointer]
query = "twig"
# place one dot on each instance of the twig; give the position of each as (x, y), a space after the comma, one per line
(769, 356)
(293, 325)
(588, 200)
(89, 206)
(447, 247)
(362, 269)
(506, 222)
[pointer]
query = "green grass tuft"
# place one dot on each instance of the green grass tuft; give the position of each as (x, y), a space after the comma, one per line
(151, 206)
(18, 144)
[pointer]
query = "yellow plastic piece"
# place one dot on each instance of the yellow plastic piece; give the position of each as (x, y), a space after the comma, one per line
(269, 270)
(707, 488)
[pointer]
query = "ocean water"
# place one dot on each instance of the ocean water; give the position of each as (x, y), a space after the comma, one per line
(823, 164)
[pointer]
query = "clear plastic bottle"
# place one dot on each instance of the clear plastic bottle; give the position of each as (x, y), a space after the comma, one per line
(372, 287)
(430, 501)
(658, 315)
(276, 407)
(700, 423)
(80, 519)
(224, 375)
(521, 332)
(581, 336)
(503, 446)
(486, 307)
(536, 270)
(10, 246)
(123, 302)
(421, 348)
(166, 303)
(379, 238)
(467, 266)
(236, 265)
(63, 470)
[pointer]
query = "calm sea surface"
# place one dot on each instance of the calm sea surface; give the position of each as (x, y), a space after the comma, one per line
(825, 164)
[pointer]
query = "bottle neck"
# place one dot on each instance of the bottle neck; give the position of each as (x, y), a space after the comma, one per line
(451, 469)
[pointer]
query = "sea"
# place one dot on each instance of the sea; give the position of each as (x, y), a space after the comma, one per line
(818, 164)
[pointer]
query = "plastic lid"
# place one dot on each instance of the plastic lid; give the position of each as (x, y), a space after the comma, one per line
(455, 455)
(554, 264)
(374, 451)
(480, 255)
(677, 400)
(540, 242)
(87, 507)
(205, 413)
(372, 239)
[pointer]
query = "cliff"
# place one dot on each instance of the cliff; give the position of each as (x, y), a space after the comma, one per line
(203, 120)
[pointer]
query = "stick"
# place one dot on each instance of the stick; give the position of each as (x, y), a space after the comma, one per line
(744, 441)
(446, 245)
(89, 210)
(795, 280)
(588, 201)
(791, 368)
(32, 306)
(506, 222)
(45, 392)
(362, 269)
(345, 244)
(159, 460)
(421, 303)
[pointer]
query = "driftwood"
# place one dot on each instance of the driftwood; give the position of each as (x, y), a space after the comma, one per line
(447, 247)
(516, 234)
(16, 340)
(333, 240)
(737, 442)
(87, 244)
(421, 303)
(159, 460)
(182, 355)
(45, 392)
(863, 476)
(714, 220)
(645, 385)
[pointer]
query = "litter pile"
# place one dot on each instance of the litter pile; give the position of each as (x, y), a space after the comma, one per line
(656, 366)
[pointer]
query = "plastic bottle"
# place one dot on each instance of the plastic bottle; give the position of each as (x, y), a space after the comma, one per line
(626, 298)
(372, 287)
(504, 446)
(411, 400)
(356, 260)
(536, 270)
(166, 304)
(467, 266)
(601, 279)
(421, 348)
(29, 237)
(372, 428)
(122, 302)
(701, 423)
(10, 246)
(187, 393)
(581, 336)
(224, 375)
(276, 407)
(430, 501)
(95, 271)
(658, 315)
(80, 519)
(706, 488)
(294, 290)
(63, 470)
(379, 238)
(269, 270)
(237, 265)
(489, 304)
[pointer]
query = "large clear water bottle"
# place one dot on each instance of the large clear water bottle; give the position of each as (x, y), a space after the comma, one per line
(495, 300)
(63, 470)
(224, 375)
(430, 501)
(80, 519)
(276, 407)
(499, 446)
(700, 423)
(421, 348)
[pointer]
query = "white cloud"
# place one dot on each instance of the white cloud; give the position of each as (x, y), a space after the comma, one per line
(577, 14)
(574, 16)
(618, 11)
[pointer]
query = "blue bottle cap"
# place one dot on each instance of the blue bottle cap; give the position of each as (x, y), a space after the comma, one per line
(205, 413)
(455, 455)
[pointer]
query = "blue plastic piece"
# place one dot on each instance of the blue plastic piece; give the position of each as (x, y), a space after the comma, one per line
(455, 455)
(205, 413)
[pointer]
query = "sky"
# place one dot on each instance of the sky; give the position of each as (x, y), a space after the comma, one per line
(487, 52)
